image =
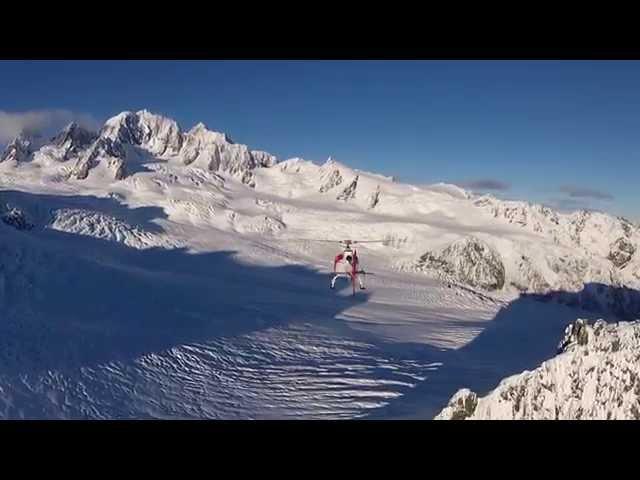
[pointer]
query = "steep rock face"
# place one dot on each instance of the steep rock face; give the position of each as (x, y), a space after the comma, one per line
(19, 150)
(577, 225)
(331, 176)
(216, 152)
(104, 150)
(595, 376)
(469, 261)
(622, 251)
(462, 405)
(349, 193)
(374, 198)
(157, 134)
(73, 140)
(263, 159)
(627, 227)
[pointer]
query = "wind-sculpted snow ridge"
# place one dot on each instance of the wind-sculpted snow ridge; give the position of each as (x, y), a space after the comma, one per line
(596, 376)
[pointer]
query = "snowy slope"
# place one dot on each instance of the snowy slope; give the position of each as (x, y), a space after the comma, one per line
(597, 376)
(148, 271)
(149, 156)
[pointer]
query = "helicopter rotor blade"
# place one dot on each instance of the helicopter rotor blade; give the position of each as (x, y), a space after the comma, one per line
(352, 242)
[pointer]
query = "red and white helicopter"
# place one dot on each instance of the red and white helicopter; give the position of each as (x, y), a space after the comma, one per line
(346, 264)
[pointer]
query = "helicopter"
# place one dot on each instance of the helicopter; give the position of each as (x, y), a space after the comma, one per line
(346, 264)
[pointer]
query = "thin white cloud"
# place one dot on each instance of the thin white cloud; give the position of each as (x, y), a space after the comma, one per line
(40, 122)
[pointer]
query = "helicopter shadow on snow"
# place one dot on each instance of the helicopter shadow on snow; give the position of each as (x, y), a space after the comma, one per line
(79, 301)
(521, 336)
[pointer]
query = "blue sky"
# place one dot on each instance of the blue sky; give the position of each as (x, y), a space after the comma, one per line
(561, 132)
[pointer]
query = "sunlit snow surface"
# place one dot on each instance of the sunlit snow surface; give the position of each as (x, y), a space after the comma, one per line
(181, 292)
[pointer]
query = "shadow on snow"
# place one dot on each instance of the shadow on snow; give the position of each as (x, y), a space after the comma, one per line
(70, 301)
(521, 336)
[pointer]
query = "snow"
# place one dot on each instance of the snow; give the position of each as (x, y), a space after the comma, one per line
(191, 285)
(597, 377)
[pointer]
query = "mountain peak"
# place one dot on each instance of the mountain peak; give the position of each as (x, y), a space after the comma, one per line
(158, 134)
(201, 131)
(119, 118)
(331, 163)
(19, 149)
(199, 127)
(74, 135)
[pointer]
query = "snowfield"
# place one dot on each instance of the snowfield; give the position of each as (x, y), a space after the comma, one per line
(148, 272)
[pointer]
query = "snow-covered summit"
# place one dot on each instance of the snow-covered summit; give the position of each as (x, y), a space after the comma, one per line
(157, 134)
(129, 138)
(439, 230)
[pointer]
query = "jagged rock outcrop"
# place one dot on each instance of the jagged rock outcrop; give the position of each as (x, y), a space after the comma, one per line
(349, 193)
(577, 225)
(73, 140)
(19, 150)
(627, 226)
(331, 178)
(469, 261)
(596, 375)
(622, 251)
(374, 198)
(16, 218)
(104, 150)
